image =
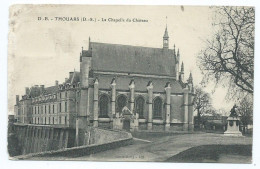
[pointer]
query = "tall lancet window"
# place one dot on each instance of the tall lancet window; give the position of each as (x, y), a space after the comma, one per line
(139, 107)
(157, 108)
(121, 103)
(103, 106)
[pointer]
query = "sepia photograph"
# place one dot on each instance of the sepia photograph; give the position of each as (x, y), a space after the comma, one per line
(131, 83)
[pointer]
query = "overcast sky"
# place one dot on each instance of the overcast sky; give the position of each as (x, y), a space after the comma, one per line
(41, 52)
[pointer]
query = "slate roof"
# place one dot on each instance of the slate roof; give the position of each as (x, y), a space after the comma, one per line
(75, 78)
(122, 83)
(131, 59)
(51, 89)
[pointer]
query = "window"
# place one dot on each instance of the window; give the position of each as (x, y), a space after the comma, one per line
(139, 107)
(103, 106)
(60, 120)
(121, 103)
(157, 108)
(49, 108)
(49, 120)
(65, 106)
(44, 120)
(38, 110)
(60, 107)
(60, 95)
(65, 119)
(53, 120)
(45, 109)
(38, 119)
(65, 94)
(53, 109)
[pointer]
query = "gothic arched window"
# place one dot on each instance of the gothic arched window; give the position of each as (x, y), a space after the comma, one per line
(103, 106)
(157, 108)
(139, 107)
(121, 103)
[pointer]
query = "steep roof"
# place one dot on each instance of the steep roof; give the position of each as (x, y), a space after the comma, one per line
(51, 89)
(131, 59)
(122, 83)
(74, 77)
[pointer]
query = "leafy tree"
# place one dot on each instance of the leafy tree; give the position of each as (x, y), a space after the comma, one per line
(202, 102)
(228, 57)
(245, 111)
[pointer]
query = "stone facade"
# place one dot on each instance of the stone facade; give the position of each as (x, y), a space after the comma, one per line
(118, 87)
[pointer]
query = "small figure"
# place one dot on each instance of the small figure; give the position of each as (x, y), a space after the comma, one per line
(233, 112)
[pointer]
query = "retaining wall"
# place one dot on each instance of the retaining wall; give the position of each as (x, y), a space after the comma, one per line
(80, 151)
(45, 139)
(40, 138)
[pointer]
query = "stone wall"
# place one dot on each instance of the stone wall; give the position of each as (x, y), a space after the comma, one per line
(39, 138)
(100, 136)
(96, 140)
(43, 138)
(79, 151)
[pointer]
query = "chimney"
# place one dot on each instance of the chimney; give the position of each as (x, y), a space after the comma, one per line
(56, 83)
(27, 91)
(66, 79)
(17, 99)
(71, 74)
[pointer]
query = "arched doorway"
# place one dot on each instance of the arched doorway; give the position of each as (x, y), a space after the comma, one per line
(126, 124)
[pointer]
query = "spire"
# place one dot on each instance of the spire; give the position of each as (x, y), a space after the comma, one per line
(182, 67)
(190, 80)
(181, 77)
(166, 39)
(166, 33)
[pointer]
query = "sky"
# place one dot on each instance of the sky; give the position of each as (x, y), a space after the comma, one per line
(41, 52)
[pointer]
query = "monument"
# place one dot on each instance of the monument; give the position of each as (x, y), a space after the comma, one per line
(233, 124)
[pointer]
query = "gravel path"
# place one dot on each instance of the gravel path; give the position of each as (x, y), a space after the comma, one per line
(159, 149)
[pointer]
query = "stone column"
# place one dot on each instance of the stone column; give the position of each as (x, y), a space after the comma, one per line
(132, 95)
(168, 106)
(150, 106)
(113, 97)
(191, 118)
(95, 124)
(185, 108)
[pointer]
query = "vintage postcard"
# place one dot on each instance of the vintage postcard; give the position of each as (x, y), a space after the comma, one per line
(131, 83)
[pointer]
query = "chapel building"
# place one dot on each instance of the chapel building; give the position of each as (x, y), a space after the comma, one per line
(119, 87)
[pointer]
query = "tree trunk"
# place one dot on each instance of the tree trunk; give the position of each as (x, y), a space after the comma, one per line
(198, 117)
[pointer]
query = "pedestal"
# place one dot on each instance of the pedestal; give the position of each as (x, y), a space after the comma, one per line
(233, 127)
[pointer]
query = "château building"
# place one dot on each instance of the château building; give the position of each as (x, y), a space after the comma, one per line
(118, 87)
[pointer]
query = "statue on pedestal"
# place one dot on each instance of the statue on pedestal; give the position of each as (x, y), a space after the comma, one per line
(233, 112)
(233, 130)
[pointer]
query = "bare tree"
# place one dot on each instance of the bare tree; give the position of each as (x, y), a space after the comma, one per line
(202, 103)
(245, 111)
(228, 57)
